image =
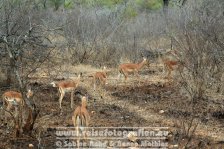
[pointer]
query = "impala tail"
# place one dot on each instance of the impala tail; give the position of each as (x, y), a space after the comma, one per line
(80, 121)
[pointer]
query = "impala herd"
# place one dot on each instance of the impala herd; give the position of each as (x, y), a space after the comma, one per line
(81, 115)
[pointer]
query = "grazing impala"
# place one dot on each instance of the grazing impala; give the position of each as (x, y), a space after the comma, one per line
(13, 99)
(67, 86)
(81, 119)
(101, 77)
(130, 67)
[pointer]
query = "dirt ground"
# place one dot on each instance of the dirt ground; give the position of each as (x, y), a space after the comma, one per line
(149, 102)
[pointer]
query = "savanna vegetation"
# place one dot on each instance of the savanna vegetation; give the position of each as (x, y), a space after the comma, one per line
(180, 86)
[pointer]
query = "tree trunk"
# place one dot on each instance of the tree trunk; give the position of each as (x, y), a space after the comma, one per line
(165, 3)
(28, 127)
(165, 9)
(183, 2)
(10, 77)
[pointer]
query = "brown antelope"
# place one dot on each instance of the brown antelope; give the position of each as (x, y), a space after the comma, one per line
(13, 99)
(81, 119)
(100, 77)
(171, 65)
(127, 68)
(66, 86)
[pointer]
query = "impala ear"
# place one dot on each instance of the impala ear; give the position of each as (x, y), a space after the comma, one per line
(28, 87)
(29, 91)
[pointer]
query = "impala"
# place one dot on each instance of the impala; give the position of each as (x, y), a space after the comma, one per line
(66, 86)
(81, 119)
(13, 99)
(170, 65)
(101, 77)
(127, 68)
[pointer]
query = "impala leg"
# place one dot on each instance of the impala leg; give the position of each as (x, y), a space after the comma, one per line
(101, 81)
(169, 75)
(16, 112)
(94, 86)
(125, 77)
(136, 74)
(73, 120)
(138, 77)
(61, 97)
(123, 73)
(8, 108)
(167, 72)
(120, 72)
(6, 114)
(105, 82)
(77, 133)
(72, 99)
(3, 111)
(94, 83)
(164, 69)
(119, 76)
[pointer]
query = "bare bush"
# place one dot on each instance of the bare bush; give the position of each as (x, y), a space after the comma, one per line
(196, 32)
(199, 43)
(102, 36)
(24, 45)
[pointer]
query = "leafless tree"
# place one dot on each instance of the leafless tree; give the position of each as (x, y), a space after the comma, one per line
(24, 46)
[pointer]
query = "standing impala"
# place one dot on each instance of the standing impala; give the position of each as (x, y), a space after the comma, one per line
(127, 68)
(13, 99)
(67, 86)
(170, 65)
(101, 77)
(81, 119)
